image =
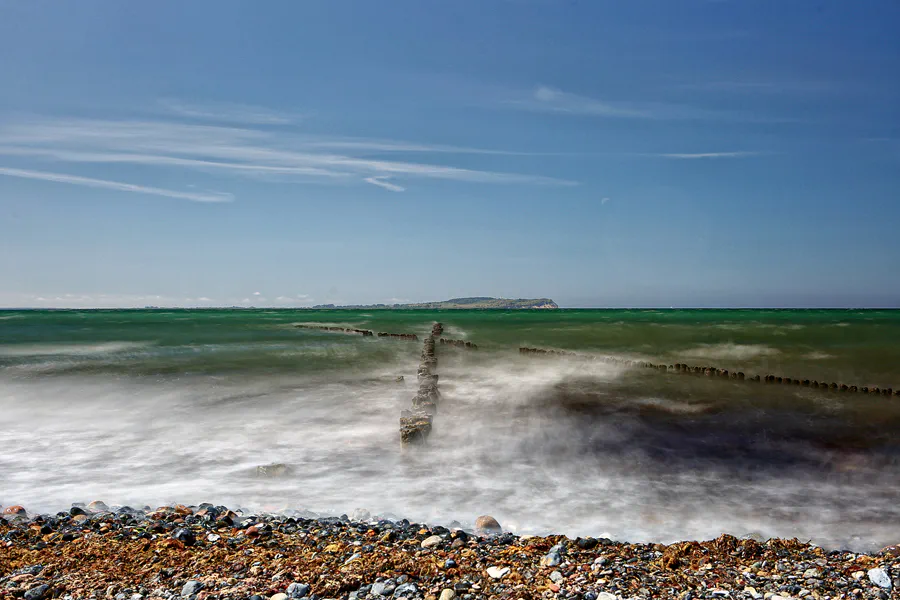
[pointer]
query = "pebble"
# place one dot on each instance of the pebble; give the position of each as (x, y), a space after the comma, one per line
(383, 588)
(316, 549)
(487, 525)
(190, 588)
(879, 577)
(551, 559)
(185, 536)
(497, 572)
(431, 542)
(407, 590)
(298, 590)
(36, 593)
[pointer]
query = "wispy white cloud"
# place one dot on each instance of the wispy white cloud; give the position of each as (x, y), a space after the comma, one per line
(231, 150)
(382, 181)
(604, 200)
(228, 112)
(114, 185)
(693, 155)
(410, 147)
(549, 99)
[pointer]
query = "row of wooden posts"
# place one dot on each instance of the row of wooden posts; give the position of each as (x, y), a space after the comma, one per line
(416, 423)
(706, 371)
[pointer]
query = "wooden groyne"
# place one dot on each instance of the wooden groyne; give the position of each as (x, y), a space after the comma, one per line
(402, 336)
(458, 343)
(714, 372)
(364, 332)
(416, 423)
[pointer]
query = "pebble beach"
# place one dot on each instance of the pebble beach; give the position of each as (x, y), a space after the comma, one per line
(208, 552)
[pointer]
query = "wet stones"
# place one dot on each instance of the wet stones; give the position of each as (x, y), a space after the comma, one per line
(401, 336)
(416, 424)
(273, 470)
(14, 511)
(487, 525)
(459, 343)
(437, 330)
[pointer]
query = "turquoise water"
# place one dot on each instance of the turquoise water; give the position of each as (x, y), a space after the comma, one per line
(145, 406)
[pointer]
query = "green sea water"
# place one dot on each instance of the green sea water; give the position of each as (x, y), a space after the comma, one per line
(855, 346)
(152, 406)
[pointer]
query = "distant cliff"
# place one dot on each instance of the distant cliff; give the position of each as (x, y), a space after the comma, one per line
(458, 303)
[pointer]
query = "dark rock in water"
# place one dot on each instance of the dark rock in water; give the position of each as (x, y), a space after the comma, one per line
(414, 427)
(185, 536)
(273, 470)
(75, 511)
(486, 525)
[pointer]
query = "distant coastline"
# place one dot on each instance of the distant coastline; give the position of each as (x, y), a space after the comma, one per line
(482, 302)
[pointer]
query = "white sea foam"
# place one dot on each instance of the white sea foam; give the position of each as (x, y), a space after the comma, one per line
(500, 446)
(26, 350)
(729, 351)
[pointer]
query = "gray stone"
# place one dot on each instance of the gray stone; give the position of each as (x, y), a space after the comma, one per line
(383, 588)
(447, 594)
(36, 593)
(297, 590)
(407, 590)
(431, 542)
(556, 577)
(190, 588)
(552, 559)
(879, 577)
(278, 597)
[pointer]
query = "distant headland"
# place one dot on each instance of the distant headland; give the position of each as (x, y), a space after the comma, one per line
(457, 303)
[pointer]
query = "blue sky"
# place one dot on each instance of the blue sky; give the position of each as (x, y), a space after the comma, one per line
(603, 153)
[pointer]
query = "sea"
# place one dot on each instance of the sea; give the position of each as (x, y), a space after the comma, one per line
(151, 407)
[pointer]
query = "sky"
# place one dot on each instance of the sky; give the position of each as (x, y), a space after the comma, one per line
(601, 153)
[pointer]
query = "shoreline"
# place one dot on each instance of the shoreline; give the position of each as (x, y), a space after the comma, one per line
(210, 552)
